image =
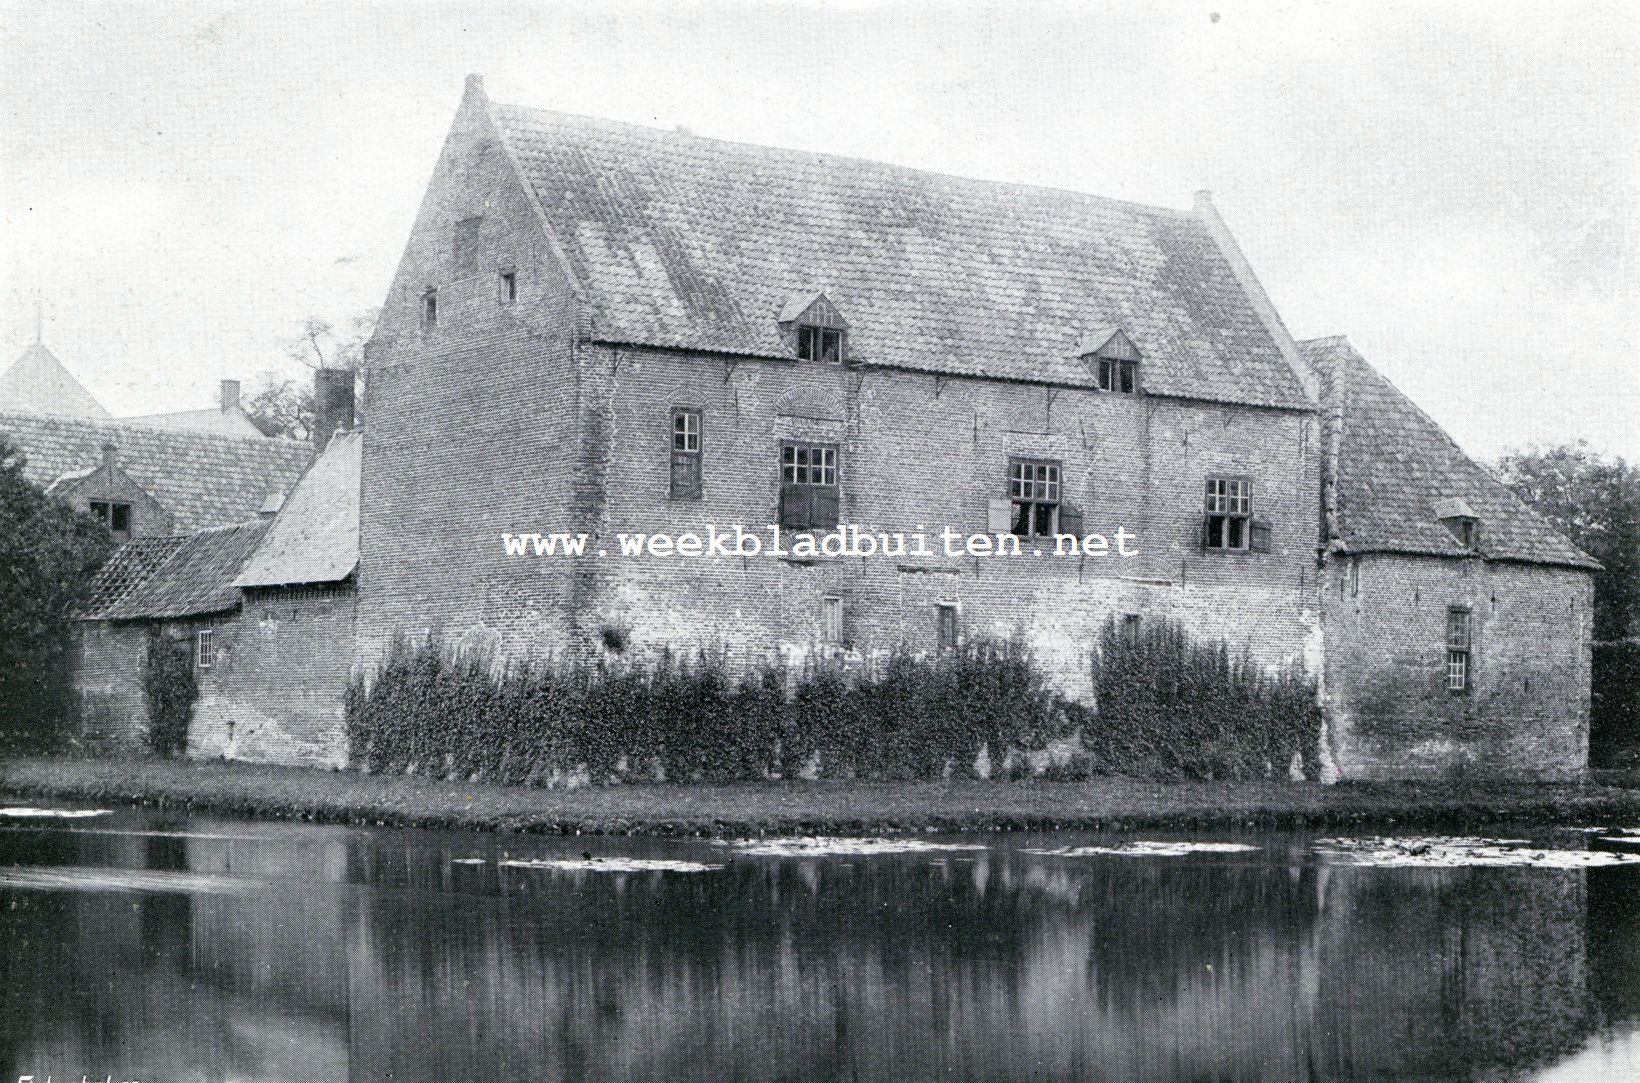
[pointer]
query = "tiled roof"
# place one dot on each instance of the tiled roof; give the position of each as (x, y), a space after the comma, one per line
(315, 536)
(203, 479)
(126, 569)
(38, 383)
(194, 579)
(1398, 472)
(695, 243)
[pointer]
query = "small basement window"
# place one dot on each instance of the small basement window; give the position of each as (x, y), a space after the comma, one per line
(831, 620)
(429, 311)
(1458, 643)
(945, 617)
(204, 648)
(1033, 492)
(1226, 523)
(686, 454)
(819, 343)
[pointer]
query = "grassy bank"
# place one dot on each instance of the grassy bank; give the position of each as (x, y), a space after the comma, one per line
(839, 807)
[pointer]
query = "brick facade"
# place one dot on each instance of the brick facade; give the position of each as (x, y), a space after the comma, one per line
(274, 693)
(1389, 711)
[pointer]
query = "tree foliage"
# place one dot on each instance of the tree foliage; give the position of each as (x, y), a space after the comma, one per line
(281, 400)
(1595, 502)
(48, 555)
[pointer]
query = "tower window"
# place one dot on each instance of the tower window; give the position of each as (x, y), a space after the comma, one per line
(507, 287)
(429, 311)
(1457, 650)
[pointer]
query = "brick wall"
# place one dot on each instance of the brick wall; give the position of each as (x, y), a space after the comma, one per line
(110, 703)
(274, 693)
(919, 452)
(472, 425)
(1388, 708)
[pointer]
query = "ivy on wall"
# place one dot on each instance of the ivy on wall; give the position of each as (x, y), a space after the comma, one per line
(170, 688)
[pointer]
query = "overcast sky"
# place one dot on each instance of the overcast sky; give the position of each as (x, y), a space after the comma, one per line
(1453, 186)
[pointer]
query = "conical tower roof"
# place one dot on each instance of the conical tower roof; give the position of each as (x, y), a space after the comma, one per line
(37, 383)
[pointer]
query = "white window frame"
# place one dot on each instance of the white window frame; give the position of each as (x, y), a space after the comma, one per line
(204, 648)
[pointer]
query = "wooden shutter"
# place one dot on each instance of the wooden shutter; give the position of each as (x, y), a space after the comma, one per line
(1000, 515)
(1070, 519)
(685, 474)
(823, 506)
(794, 507)
(1258, 536)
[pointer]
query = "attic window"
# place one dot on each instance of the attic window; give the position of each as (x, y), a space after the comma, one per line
(1460, 521)
(507, 287)
(1112, 359)
(819, 344)
(818, 328)
(429, 311)
(115, 516)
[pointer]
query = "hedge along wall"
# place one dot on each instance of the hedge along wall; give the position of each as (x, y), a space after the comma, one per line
(434, 710)
(1172, 707)
(1614, 707)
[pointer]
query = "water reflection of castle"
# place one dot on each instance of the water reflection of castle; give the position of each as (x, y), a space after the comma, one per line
(398, 964)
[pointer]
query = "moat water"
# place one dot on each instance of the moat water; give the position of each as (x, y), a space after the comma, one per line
(161, 947)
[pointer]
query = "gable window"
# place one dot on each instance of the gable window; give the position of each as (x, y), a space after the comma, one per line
(204, 649)
(1118, 375)
(464, 244)
(113, 515)
(1033, 493)
(507, 287)
(819, 343)
(686, 453)
(1457, 650)
(1229, 513)
(808, 486)
(429, 311)
(831, 620)
(945, 618)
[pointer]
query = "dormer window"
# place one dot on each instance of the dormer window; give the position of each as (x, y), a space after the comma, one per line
(1112, 359)
(819, 344)
(1460, 521)
(818, 330)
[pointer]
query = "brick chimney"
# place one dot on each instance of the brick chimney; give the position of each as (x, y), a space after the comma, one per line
(230, 395)
(332, 404)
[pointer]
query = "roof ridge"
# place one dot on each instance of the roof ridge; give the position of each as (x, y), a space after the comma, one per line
(130, 423)
(829, 156)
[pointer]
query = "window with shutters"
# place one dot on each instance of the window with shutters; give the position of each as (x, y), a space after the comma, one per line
(686, 454)
(808, 486)
(945, 627)
(1033, 495)
(1228, 523)
(1458, 644)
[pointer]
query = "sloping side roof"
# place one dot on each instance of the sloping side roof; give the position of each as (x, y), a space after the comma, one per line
(38, 383)
(1396, 465)
(315, 536)
(203, 479)
(695, 243)
(230, 422)
(195, 579)
(125, 570)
